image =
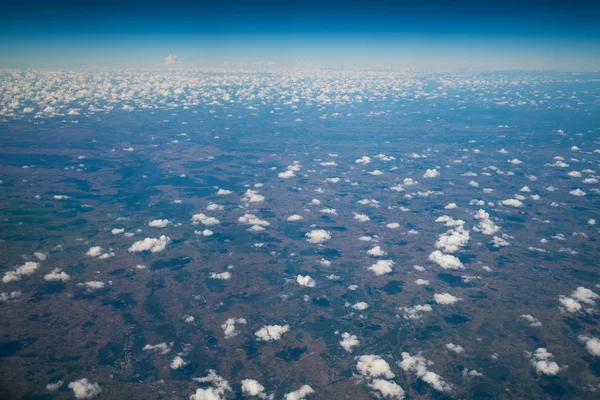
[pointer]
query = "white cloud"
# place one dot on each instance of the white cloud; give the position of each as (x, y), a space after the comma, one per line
(569, 304)
(51, 387)
(446, 261)
(92, 285)
(360, 306)
(158, 223)
(585, 295)
(363, 160)
(178, 362)
(224, 276)
(577, 192)
(592, 344)
(229, 327)
(84, 389)
(541, 360)
(515, 161)
(419, 366)
(224, 192)
(422, 282)
(117, 231)
(251, 219)
(450, 206)
(153, 245)
(216, 392)
(382, 267)
(271, 332)
(299, 394)
(393, 225)
(57, 275)
(349, 341)
(252, 196)
(295, 217)
(169, 60)
(204, 220)
(453, 240)
(24, 270)
(361, 217)
(318, 236)
(486, 225)
(376, 173)
(376, 251)
(373, 366)
(431, 173)
(512, 203)
(445, 298)
(252, 387)
(455, 348)
(388, 389)
(306, 281)
(162, 348)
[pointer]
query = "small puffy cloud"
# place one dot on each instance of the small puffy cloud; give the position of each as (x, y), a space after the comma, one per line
(455, 348)
(360, 306)
(92, 285)
(169, 60)
(178, 362)
(512, 203)
(57, 275)
(252, 196)
(485, 225)
(306, 281)
(419, 366)
(542, 361)
(286, 174)
(361, 217)
(229, 329)
(416, 312)
(217, 391)
(318, 236)
(568, 304)
(200, 218)
(224, 192)
(376, 173)
(24, 270)
(349, 341)
(117, 231)
(422, 282)
(515, 161)
(592, 344)
(577, 192)
(158, 223)
(271, 332)
(376, 251)
(382, 267)
(251, 219)
(450, 206)
(453, 240)
(445, 298)
(431, 173)
(51, 387)
(299, 394)
(373, 366)
(153, 245)
(94, 251)
(387, 389)
(585, 295)
(363, 160)
(162, 348)
(251, 387)
(295, 217)
(446, 261)
(393, 225)
(84, 389)
(224, 276)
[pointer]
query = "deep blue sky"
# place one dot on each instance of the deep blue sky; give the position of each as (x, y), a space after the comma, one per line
(420, 33)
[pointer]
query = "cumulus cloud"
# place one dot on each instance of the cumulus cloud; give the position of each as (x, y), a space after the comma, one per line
(224, 192)
(446, 261)
(252, 196)
(453, 240)
(84, 389)
(318, 236)
(376, 251)
(271, 332)
(455, 348)
(306, 281)
(577, 192)
(295, 217)
(349, 341)
(585, 295)
(200, 218)
(570, 305)
(361, 217)
(431, 173)
(251, 387)
(485, 225)
(57, 275)
(592, 344)
(158, 223)
(169, 60)
(229, 329)
(162, 348)
(445, 298)
(224, 276)
(51, 387)
(217, 391)
(360, 306)
(373, 366)
(24, 270)
(419, 366)
(299, 394)
(382, 267)
(178, 362)
(542, 361)
(363, 160)
(153, 245)
(92, 285)
(512, 203)
(388, 389)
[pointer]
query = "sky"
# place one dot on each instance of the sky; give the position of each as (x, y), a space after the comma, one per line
(424, 34)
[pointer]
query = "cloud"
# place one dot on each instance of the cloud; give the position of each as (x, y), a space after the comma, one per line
(224, 276)
(250, 387)
(169, 60)
(204, 220)
(153, 245)
(318, 236)
(158, 223)
(360, 306)
(299, 394)
(446, 261)
(431, 173)
(178, 362)
(382, 267)
(271, 332)
(422, 282)
(361, 217)
(373, 366)
(24, 270)
(295, 217)
(306, 281)
(92, 285)
(585, 295)
(229, 327)
(376, 251)
(388, 389)
(224, 192)
(57, 275)
(485, 225)
(455, 348)
(512, 203)
(349, 341)
(363, 160)
(541, 360)
(393, 225)
(162, 348)
(216, 392)
(577, 192)
(592, 344)
(84, 389)
(445, 298)
(453, 240)
(251, 219)
(450, 206)
(252, 196)
(569, 304)
(51, 387)
(419, 366)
